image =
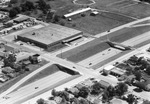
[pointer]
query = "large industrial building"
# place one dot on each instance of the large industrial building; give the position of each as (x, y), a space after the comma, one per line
(50, 35)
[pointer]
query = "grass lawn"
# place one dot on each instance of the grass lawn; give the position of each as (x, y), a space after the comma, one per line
(47, 71)
(137, 10)
(84, 51)
(10, 83)
(127, 33)
(95, 24)
(88, 52)
(84, 1)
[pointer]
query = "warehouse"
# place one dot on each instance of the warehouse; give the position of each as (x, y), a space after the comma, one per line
(50, 36)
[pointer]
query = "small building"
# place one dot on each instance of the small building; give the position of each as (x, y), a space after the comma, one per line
(79, 86)
(77, 12)
(117, 72)
(74, 90)
(107, 69)
(50, 102)
(104, 84)
(7, 70)
(58, 99)
(117, 101)
(21, 19)
(88, 82)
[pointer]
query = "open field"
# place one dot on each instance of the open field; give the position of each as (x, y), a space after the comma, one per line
(89, 24)
(96, 24)
(84, 51)
(8, 84)
(127, 7)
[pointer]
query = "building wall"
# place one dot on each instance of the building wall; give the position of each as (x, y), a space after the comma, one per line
(42, 45)
(24, 39)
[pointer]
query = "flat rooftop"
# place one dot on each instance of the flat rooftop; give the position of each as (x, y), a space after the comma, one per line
(50, 33)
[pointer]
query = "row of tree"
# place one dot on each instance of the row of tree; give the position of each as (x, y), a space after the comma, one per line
(146, 1)
(84, 92)
(29, 6)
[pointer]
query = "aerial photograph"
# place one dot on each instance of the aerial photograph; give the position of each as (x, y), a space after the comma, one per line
(74, 51)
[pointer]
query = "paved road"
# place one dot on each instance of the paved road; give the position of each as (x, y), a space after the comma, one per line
(40, 85)
(23, 80)
(97, 58)
(73, 66)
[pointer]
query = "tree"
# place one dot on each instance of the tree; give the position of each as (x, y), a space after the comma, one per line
(56, 18)
(105, 96)
(111, 91)
(33, 59)
(83, 101)
(17, 9)
(138, 75)
(43, 6)
(54, 93)
(83, 92)
(121, 88)
(12, 58)
(17, 67)
(64, 94)
(23, 7)
(40, 101)
(49, 16)
(75, 100)
(29, 5)
(12, 13)
(146, 102)
(148, 70)
(96, 89)
(13, 1)
(6, 62)
(130, 99)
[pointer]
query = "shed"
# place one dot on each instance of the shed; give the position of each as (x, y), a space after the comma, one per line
(21, 19)
(77, 12)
